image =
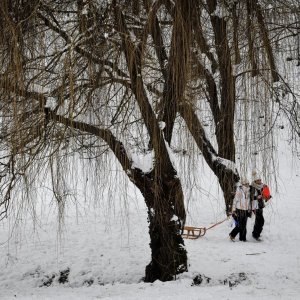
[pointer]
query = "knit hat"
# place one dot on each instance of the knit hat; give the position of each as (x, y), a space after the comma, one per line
(255, 176)
(244, 181)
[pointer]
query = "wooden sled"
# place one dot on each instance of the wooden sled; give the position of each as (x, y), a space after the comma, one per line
(193, 233)
(190, 232)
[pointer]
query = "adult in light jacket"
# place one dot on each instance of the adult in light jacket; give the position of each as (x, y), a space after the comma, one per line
(241, 210)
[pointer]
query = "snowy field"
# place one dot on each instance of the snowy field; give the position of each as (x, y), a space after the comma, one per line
(102, 250)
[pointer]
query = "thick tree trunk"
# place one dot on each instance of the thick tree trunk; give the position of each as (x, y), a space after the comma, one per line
(227, 182)
(168, 257)
(166, 217)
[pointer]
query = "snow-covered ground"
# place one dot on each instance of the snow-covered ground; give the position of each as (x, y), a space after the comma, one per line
(101, 251)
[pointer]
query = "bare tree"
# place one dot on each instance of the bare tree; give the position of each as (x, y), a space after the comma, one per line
(73, 76)
(235, 78)
(83, 76)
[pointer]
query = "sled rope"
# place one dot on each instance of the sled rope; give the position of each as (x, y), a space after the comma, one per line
(190, 232)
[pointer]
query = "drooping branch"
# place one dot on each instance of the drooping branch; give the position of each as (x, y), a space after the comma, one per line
(235, 24)
(200, 39)
(178, 67)
(196, 129)
(50, 115)
(266, 40)
(250, 36)
(225, 125)
(153, 27)
(187, 112)
(224, 169)
(80, 50)
(213, 98)
(105, 134)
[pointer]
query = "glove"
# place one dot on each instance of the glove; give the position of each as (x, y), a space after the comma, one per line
(268, 199)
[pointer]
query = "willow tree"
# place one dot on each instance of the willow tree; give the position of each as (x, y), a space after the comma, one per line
(234, 83)
(223, 48)
(74, 77)
(77, 76)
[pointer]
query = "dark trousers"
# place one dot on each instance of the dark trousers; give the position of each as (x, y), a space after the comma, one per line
(241, 224)
(259, 223)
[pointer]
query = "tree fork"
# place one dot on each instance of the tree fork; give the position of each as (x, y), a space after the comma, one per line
(227, 177)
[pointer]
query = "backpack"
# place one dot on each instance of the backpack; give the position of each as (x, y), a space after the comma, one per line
(266, 194)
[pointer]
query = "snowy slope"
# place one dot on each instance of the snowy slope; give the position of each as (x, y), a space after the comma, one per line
(104, 255)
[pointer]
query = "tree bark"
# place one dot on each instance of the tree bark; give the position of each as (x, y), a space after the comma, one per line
(166, 214)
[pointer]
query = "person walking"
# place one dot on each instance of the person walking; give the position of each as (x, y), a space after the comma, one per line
(257, 204)
(241, 210)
